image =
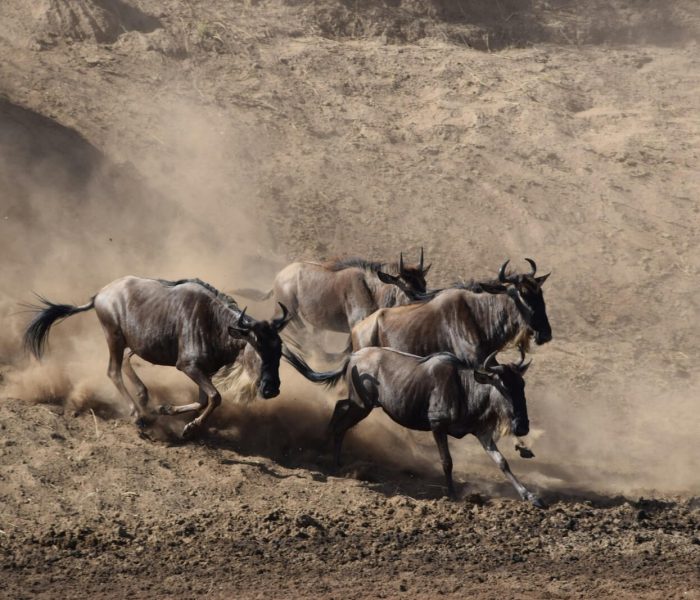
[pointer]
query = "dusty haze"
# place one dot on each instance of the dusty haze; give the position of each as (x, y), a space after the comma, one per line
(193, 207)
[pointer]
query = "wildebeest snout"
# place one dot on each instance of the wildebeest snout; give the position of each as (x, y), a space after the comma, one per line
(520, 427)
(269, 389)
(542, 337)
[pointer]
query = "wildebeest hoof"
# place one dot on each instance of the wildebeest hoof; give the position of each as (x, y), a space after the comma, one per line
(524, 451)
(190, 430)
(165, 409)
(538, 502)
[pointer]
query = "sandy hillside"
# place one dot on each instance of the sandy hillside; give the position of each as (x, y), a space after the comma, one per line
(222, 140)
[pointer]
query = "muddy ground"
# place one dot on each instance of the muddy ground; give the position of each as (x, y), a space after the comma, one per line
(223, 140)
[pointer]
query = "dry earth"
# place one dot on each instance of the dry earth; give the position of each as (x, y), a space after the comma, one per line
(224, 139)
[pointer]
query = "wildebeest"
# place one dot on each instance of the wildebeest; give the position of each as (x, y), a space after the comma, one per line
(334, 296)
(440, 393)
(187, 324)
(470, 321)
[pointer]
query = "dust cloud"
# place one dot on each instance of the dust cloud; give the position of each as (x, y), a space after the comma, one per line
(75, 220)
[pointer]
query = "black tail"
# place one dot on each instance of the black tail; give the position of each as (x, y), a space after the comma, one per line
(328, 378)
(251, 294)
(37, 331)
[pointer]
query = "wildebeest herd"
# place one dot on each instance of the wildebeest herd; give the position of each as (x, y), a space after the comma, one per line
(427, 357)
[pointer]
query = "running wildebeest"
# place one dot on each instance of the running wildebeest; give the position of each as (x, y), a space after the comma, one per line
(334, 296)
(471, 321)
(439, 393)
(187, 324)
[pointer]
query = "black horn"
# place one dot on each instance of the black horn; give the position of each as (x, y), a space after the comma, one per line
(284, 319)
(240, 327)
(420, 265)
(400, 262)
(491, 363)
(502, 272)
(521, 366)
(503, 278)
(240, 323)
(533, 265)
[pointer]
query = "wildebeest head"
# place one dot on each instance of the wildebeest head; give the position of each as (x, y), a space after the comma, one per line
(526, 291)
(508, 380)
(410, 279)
(264, 337)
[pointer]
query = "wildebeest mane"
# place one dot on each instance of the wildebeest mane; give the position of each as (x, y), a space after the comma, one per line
(225, 298)
(340, 264)
(449, 358)
(476, 287)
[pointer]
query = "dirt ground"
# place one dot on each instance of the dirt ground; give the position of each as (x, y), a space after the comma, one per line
(91, 510)
(224, 139)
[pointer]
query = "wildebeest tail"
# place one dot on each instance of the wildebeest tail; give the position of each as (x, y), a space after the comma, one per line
(37, 332)
(251, 294)
(328, 378)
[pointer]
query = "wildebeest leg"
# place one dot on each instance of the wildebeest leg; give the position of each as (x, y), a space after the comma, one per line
(440, 436)
(141, 389)
(345, 415)
(207, 389)
(168, 409)
(340, 410)
(116, 345)
(495, 454)
(359, 303)
(365, 335)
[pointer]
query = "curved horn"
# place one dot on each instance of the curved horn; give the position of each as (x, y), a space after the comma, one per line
(282, 321)
(420, 264)
(533, 265)
(400, 263)
(502, 272)
(522, 366)
(490, 363)
(522, 356)
(241, 317)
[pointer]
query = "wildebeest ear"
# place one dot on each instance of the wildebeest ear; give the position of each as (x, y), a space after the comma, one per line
(483, 377)
(237, 333)
(541, 280)
(386, 278)
(493, 288)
